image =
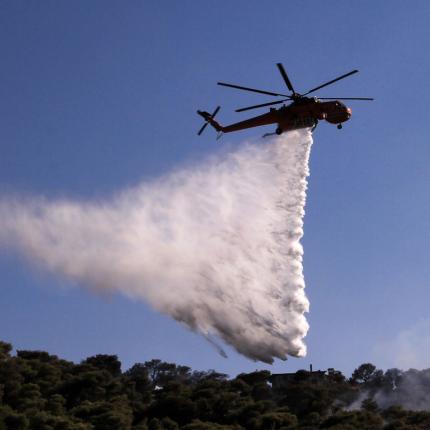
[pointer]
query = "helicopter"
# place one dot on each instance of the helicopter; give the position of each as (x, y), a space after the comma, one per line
(302, 112)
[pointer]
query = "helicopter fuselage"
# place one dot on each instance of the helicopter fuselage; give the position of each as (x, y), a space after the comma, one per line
(306, 113)
(303, 113)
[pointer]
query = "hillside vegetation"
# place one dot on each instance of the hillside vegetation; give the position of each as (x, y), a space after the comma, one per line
(39, 391)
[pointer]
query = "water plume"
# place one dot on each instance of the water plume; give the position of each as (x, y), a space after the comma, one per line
(216, 245)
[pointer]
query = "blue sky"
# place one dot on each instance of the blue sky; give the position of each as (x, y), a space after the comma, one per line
(98, 96)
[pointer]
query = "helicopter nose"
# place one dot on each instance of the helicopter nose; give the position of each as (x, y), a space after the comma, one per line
(349, 112)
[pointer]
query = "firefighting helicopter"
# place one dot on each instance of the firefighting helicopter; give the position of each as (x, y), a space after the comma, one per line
(302, 112)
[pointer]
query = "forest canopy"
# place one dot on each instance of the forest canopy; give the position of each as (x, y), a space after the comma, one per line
(40, 391)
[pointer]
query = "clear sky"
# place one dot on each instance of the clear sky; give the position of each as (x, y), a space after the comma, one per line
(98, 96)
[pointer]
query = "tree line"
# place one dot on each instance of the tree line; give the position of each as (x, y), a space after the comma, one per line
(40, 391)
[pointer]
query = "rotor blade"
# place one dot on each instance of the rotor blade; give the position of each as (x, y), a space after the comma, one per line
(346, 98)
(285, 76)
(201, 130)
(262, 105)
(252, 89)
(216, 111)
(331, 82)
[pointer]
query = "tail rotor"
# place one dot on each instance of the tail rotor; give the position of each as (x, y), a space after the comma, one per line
(208, 118)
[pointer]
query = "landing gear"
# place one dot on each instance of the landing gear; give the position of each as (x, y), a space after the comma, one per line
(278, 131)
(339, 126)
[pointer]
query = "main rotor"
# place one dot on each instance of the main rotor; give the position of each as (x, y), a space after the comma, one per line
(294, 96)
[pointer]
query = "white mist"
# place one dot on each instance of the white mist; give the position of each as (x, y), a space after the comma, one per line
(215, 246)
